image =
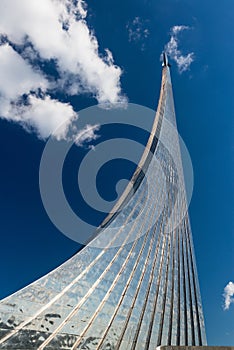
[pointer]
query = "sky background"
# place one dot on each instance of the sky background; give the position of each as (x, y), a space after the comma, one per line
(45, 74)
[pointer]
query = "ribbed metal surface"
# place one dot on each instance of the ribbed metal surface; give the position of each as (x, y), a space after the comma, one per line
(139, 290)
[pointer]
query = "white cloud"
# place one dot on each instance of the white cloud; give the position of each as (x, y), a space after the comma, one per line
(228, 295)
(17, 76)
(18, 79)
(82, 8)
(87, 134)
(176, 29)
(51, 30)
(183, 62)
(47, 115)
(75, 48)
(137, 30)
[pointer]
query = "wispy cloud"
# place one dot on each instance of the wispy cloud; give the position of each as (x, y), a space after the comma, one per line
(56, 32)
(228, 295)
(87, 134)
(137, 31)
(183, 61)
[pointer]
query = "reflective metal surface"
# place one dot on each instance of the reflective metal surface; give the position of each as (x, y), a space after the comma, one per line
(139, 290)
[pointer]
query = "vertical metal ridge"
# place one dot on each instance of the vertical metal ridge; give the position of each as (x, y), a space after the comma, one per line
(139, 285)
(184, 291)
(152, 240)
(160, 237)
(156, 294)
(172, 289)
(159, 341)
(195, 290)
(189, 287)
(124, 292)
(162, 114)
(173, 277)
(165, 292)
(104, 299)
(138, 289)
(178, 298)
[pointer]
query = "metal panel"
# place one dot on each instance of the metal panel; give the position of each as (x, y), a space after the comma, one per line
(140, 289)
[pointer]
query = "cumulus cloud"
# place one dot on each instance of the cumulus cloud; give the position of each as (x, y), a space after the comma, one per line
(183, 61)
(17, 76)
(137, 31)
(55, 31)
(81, 6)
(46, 116)
(19, 86)
(228, 295)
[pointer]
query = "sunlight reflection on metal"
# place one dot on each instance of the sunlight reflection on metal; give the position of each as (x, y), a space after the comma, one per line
(134, 286)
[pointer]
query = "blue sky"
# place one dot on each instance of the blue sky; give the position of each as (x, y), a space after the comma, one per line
(47, 74)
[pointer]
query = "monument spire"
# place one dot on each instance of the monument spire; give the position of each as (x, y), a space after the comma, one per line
(138, 294)
(165, 60)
